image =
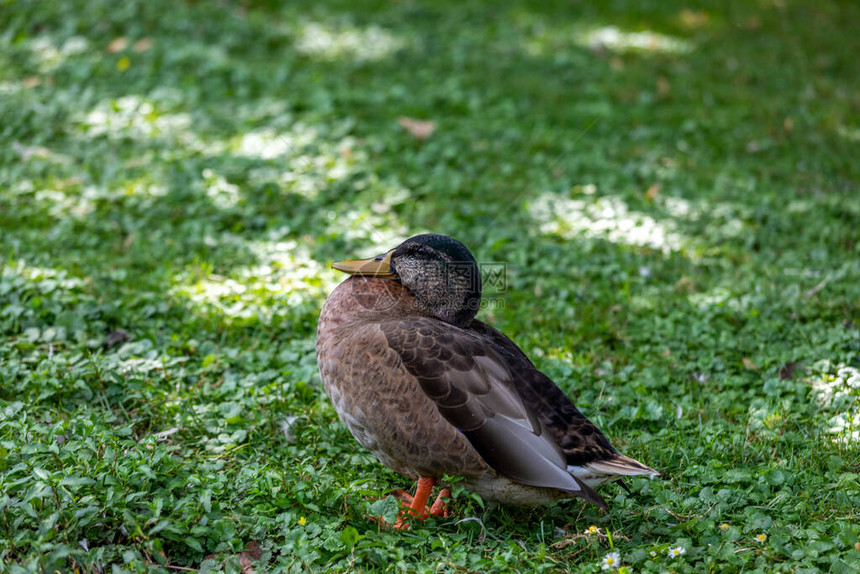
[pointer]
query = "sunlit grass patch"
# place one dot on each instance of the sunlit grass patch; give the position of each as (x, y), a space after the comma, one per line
(175, 179)
(605, 217)
(551, 38)
(615, 40)
(331, 41)
(284, 276)
(837, 389)
(49, 54)
(133, 117)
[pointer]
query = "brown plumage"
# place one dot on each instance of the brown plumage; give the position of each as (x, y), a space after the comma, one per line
(430, 390)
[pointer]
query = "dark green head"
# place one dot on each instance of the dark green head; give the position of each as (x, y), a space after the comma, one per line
(438, 270)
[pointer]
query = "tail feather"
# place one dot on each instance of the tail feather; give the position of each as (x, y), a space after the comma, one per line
(602, 471)
(620, 465)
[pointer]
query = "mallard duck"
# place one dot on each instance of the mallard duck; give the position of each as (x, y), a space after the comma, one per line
(431, 391)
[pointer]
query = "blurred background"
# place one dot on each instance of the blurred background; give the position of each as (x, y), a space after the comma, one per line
(671, 186)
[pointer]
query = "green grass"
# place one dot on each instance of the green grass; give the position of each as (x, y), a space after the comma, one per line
(673, 187)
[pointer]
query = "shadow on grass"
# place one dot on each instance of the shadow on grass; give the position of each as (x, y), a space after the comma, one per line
(206, 175)
(664, 194)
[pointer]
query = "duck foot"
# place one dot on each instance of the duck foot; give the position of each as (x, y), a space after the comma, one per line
(416, 506)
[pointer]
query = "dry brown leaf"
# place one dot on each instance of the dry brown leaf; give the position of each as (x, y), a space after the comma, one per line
(753, 22)
(420, 129)
(685, 285)
(117, 45)
(142, 45)
(663, 88)
(749, 365)
(653, 191)
(252, 552)
(128, 241)
(786, 372)
(116, 337)
(693, 19)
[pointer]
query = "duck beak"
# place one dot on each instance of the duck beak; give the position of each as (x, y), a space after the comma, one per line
(379, 266)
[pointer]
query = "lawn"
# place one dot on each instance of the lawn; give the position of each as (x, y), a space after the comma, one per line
(673, 190)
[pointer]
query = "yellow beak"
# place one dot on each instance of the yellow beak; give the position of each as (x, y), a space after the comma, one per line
(379, 266)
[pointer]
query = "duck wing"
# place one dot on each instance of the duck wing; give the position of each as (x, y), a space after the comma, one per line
(475, 390)
(583, 444)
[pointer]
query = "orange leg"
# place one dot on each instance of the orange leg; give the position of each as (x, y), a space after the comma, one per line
(416, 506)
(440, 507)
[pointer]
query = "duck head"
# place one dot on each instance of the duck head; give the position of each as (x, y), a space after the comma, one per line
(438, 270)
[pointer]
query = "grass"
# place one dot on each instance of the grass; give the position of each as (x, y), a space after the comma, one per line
(673, 188)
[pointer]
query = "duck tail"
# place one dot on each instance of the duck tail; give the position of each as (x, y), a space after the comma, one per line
(620, 465)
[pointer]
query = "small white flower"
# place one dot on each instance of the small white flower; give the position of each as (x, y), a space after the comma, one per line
(611, 560)
(592, 530)
(675, 552)
(653, 553)
(760, 538)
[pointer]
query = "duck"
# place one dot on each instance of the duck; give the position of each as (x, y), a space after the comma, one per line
(433, 392)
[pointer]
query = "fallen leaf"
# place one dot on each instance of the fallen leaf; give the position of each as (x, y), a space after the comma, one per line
(685, 285)
(31, 81)
(117, 45)
(116, 337)
(693, 19)
(753, 23)
(420, 129)
(786, 372)
(749, 365)
(142, 45)
(252, 552)
(128, 241)
(663, 88)
(653, 191)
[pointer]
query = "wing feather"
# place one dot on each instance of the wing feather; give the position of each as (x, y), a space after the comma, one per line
(580, 439)
(476, 391)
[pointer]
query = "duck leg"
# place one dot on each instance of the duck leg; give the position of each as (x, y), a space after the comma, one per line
(440, 507)
(416, 506)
